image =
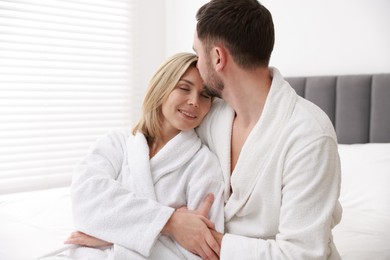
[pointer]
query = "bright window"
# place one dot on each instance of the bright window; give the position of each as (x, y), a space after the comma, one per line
(65, 77)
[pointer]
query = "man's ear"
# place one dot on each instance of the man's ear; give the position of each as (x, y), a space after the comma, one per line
(219, 58)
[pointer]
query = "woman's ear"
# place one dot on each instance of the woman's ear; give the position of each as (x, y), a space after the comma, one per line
(218, 57)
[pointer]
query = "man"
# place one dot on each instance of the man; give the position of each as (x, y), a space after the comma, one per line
(277, 150)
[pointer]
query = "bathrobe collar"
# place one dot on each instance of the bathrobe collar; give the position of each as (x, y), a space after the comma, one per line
(178, 151)
(260, 142)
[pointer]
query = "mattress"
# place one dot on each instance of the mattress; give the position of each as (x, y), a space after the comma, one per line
(34, 223)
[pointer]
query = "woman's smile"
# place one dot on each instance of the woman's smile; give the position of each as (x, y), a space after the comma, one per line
(187, 114)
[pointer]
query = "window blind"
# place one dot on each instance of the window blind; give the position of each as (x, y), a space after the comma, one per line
(65, 77)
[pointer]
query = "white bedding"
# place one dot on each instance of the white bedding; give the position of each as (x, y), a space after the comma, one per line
(35, 223)
(363, 235)
(364, 230)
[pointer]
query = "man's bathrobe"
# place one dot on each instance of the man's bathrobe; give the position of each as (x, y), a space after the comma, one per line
(121, 195)
(285, 185)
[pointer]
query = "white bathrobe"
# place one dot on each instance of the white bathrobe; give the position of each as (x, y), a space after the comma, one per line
(285, 185)
(122, 196)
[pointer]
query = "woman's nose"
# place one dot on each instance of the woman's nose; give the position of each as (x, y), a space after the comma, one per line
(193, 100)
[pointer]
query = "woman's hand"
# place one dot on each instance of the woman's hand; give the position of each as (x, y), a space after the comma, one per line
(82, 239)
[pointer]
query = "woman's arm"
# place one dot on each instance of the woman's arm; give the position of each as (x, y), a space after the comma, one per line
(104, 209)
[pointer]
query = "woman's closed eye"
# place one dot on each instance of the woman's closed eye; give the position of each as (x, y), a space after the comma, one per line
(184, 88)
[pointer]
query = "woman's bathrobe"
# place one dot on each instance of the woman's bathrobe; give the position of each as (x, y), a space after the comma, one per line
(285, 185)
(121, 195)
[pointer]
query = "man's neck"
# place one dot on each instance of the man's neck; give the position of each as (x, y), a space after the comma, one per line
(247, 94)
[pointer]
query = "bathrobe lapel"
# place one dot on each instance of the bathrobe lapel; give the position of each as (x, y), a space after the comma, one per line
(256, 152)
(146, 172)
(220, 144)
(178, 151)
(138, 159)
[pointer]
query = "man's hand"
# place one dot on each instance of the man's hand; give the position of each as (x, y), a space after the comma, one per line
(192, 230)
(217, 236)
(80, 238)
(204, 209)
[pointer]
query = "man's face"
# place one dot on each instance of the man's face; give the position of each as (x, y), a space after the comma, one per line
(213, 83)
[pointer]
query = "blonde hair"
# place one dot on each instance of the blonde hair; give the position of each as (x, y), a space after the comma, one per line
(161, 85)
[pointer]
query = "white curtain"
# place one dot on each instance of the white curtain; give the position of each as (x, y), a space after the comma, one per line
(65, 79)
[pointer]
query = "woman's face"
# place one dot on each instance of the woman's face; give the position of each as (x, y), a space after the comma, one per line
(186, 105)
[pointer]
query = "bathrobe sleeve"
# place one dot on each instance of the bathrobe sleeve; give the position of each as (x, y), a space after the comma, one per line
(206, 177)
(308, 201)
(103, 208)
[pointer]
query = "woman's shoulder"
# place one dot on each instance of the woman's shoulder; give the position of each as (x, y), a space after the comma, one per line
(206, 160)
(114, 138)
(204, 170)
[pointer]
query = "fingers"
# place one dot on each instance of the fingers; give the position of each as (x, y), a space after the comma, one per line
(207, 253)
(208, 222)
(209, 249)
(213, 248)
(80, 238)
(75, 238)
(214, 244)
(182, 209)
(76, 234)
(204, 209)
(74, 241)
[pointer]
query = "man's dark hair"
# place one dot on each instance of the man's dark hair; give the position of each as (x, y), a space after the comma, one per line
(244, 27)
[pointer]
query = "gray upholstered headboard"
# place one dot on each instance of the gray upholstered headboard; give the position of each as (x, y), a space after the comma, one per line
(358, 105)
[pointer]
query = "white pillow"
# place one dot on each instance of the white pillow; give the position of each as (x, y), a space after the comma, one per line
(365, 172)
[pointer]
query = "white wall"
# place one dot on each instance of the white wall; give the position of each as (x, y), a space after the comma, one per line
(181, 24)
(321, 37)
(149, 41)
(331, 37)
(150, 36)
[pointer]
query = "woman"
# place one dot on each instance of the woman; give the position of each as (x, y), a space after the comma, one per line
(129, 185)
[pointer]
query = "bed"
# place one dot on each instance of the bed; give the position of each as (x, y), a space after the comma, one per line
(359, 108)
(34, 223)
